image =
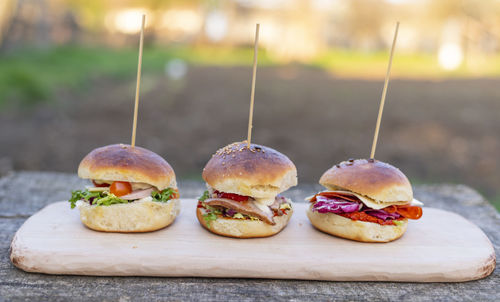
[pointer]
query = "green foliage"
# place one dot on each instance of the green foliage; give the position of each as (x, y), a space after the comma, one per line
(30, 75)
(23, 85)
(209, 217)
(204, 196)
(99, 198)
(164, 195)
(496, 202)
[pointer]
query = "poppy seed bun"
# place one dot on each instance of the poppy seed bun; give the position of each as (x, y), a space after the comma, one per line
(126, 163)
(260, 171)
(134, 217)
(372, 178)
(243, 228)
(355, 230)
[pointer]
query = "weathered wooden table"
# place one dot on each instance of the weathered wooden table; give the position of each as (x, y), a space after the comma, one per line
(24, 193)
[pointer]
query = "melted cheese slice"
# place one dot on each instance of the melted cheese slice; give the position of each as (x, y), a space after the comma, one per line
(96, 189)
(265, 201)
(263, 207)
(371, 203)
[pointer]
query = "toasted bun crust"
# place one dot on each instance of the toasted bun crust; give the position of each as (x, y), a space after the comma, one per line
(237, 228)
(372, 178)
(125, 163)
(135, 217)
(258, 172)
(343, 227)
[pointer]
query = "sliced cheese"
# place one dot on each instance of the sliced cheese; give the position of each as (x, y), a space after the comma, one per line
(145, 199)
(265, 201)
(417, 203)
(308, 198)
(140, 186)
(263, 207)
(371, 203)
(96, 189)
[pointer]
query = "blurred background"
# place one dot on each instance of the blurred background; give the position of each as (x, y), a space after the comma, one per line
(68, 67)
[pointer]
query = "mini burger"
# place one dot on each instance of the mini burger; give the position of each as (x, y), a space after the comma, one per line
(365, 200)
(134, 190)
(244, 183)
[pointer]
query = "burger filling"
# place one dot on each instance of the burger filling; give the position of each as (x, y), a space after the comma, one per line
(356, 207)
(105, 193)
(216, 204)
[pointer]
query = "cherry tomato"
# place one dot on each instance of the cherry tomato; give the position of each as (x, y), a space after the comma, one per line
(120, 188)
(100, 185)
(232, 196)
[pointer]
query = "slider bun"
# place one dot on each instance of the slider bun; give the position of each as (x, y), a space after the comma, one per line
(125, 163)
(242, 228)
(362, 231)
(375, 179)
(134, 217)
(259, 172)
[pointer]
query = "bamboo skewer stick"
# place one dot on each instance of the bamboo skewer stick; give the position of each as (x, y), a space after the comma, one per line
(252, 95)
(384, 92)
(138, 84)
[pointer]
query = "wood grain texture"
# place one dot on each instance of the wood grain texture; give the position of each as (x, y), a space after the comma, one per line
(442, 246)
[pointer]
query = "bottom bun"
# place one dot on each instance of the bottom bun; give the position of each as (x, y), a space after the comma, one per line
(354, 229)
(243, 228)
(135, 217)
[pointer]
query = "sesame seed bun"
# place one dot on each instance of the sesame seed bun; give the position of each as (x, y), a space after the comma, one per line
(372, 178)
(126, 163)
(243, 228)
(134, 217)
(260, 172)
(362, 231)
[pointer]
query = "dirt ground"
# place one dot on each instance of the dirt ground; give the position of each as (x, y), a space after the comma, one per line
(434, 131)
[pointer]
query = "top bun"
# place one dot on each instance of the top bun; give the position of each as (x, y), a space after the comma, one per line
(126, 163)
(372, 178)
(260, 172)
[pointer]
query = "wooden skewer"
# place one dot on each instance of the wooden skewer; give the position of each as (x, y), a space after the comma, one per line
(252, 95)
(138, 84)
(384, 92)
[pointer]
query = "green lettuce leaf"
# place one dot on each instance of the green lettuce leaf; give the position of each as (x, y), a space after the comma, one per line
(398, 222)
(204, 196)
(164, 195)
(109, 200)
(99, 198)
(209, 217)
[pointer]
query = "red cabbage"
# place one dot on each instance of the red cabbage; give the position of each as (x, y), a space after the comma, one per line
(339, 206)
(335, 205)
(382, 214)
(230, 212)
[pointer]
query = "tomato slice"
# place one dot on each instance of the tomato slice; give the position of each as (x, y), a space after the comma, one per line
(120, 188)
(176, 194)
(410, 212)
(232, 196)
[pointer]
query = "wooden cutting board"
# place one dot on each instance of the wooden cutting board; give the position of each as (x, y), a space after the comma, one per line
(442, 246)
